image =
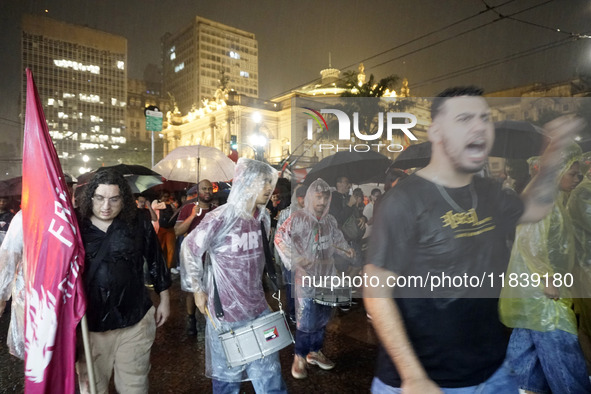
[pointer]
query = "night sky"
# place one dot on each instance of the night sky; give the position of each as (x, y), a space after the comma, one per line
(469, 44)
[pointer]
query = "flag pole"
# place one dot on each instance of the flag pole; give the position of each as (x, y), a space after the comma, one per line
(88, 355)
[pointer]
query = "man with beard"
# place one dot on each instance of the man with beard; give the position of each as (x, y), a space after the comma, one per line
(190, 216)
(308, 240)
(443, 220)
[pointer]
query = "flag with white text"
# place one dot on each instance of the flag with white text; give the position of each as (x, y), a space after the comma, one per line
(54, 257)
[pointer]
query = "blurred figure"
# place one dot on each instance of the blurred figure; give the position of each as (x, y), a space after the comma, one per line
(200, 203)
(145, 208)
(369, 210)
(297, 203)
(165, 208)
(307, 241)
(343, 208)
(12, 284)
(579, 209)
(5, 217)
(544, 350)
(232, 235)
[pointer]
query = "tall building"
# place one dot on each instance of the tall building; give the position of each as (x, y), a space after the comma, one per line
(198, 57)
(81, 75)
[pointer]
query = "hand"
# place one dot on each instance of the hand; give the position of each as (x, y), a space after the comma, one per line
(561, 132)
(351, 253)
(201, 301)
(196, 210)
(361, 222)
(163, 311)
(420, 386)
(552, 292)
(352, 201)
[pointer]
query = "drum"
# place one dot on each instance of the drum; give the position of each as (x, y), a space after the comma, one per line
(261, 337)
(337, 296)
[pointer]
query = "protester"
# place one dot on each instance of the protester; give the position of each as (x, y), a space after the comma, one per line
(5, 216)
(344, 209)
(145, 208)
(165, 208)
(544, 350)
(369, 210)
(307, 241)
(121, 319)
(297, 203)
(444, 220)
(12, 284)
(579, 209)
(188, 219)
(233, 237)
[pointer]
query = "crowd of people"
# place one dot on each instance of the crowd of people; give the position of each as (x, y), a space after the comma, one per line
(442, 220)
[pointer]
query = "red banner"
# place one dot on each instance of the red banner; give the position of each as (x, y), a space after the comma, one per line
(54, 257)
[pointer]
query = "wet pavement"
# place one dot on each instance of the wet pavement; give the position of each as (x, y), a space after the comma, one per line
(178, 361)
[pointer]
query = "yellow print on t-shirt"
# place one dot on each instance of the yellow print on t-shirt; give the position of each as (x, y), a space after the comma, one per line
(466, 224)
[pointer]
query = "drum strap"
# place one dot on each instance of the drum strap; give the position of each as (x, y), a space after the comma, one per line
(269, 264)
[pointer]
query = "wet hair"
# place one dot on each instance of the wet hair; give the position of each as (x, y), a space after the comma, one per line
(358, 192)
(109, 177)
(340, 179)
(457, 91)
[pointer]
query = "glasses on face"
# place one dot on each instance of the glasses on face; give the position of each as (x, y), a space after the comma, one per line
(98, 199)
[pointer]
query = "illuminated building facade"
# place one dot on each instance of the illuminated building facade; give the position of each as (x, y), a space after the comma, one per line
(81, 75)
(197, 57)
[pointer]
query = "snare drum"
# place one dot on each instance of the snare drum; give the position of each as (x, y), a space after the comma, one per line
(337, 296)
(261, 337)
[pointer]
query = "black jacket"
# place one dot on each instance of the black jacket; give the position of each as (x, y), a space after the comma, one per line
(115, 290)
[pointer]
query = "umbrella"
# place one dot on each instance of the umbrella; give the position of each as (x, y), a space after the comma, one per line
(11, 187)
(518, 140)
(138, 177)
(195, 162)
(359, 167)
(417, 155)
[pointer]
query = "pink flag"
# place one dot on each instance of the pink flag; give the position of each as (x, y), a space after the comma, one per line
(54, 257)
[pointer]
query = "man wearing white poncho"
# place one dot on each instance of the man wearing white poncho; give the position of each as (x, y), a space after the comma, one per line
(232, 236)
(308, 240)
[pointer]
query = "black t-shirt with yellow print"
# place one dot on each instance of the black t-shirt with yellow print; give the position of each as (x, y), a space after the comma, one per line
(425, 231)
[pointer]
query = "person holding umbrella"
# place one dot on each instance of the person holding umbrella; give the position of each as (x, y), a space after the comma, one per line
(443, 220)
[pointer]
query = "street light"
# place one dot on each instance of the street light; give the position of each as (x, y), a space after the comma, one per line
(258, 140)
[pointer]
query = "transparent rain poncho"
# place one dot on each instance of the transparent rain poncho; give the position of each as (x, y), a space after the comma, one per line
(544, 247)
(309, 244)
(579, 209)
(12, 283)
(232, 238)
(283, 215)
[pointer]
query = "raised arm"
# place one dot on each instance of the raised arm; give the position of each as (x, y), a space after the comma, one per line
(539, 195)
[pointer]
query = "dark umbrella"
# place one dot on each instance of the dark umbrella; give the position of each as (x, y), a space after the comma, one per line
(417, 155)
(359, 167)
(585, 145)
(138, 177)
(518, 140)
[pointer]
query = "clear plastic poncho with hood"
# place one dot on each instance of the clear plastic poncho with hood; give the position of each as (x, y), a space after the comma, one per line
(12, 283)
(309, 243)
(544, 247)
(579, 209)
(232, 238)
